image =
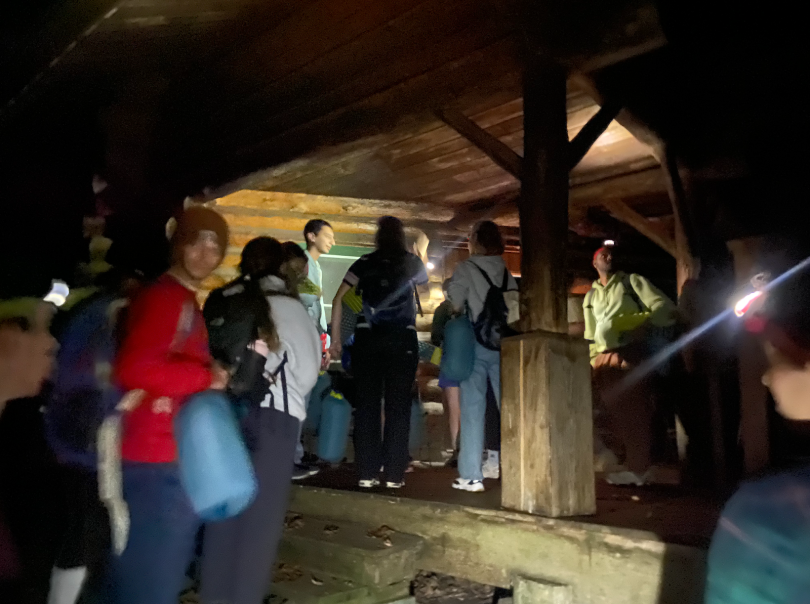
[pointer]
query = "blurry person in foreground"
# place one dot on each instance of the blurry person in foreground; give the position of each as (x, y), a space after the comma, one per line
(164, 355)
(760, 552)
(27, 352)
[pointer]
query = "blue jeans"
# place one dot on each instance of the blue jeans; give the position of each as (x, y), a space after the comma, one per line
(473, 410)
(163, 527)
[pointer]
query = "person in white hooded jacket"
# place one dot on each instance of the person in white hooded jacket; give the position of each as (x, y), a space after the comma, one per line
(467, 292)
(239, 553)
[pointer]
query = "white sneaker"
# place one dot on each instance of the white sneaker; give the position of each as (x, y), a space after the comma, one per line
(394, 485)
(491, 469)
(626, 478)
(368, 484)
(474, 486)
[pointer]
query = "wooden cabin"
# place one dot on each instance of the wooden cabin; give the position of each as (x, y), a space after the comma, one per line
(660, 125)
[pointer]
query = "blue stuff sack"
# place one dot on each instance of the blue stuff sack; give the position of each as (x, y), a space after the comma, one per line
(458, 351)
(215, 466)
(333, 434)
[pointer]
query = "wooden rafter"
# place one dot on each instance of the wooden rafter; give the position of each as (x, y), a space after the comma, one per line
(493, 148)
(643, 133)
(591, 131)
(649, 229)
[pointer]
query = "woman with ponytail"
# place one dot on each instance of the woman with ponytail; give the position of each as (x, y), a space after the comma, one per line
(261, 331)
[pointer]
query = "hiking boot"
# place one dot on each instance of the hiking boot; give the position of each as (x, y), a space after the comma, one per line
(302, 471)
(368, 484)
(473, 486)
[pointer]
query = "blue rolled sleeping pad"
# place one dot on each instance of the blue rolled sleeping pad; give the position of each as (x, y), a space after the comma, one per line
(346, 357)
(315, 403)
(215, 466)
(458, 350)
(333, 433)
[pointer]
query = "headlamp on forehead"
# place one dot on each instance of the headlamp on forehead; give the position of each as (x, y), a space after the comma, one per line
(208, 237)
(58, 294)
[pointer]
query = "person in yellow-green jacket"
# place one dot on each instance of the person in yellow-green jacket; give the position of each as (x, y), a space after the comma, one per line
(626, 319)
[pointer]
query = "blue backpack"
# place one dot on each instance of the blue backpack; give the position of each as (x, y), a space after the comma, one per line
(83, 392)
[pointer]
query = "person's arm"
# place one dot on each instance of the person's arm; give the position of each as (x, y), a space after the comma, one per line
(458, 290)
(662, 309)
(590, 324)
(440, 319)
(337, 316)
(146, 359)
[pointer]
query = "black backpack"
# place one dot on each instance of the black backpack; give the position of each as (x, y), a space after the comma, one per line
(387, 288)
(491, 325)
(230, 318)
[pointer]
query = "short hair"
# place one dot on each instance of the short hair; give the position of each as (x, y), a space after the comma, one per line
(261, 256)
(489, 237)
(314, 226)
(390, 235)
(292, 251)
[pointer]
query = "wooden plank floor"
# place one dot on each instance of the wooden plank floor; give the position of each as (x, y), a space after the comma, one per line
(672, 513)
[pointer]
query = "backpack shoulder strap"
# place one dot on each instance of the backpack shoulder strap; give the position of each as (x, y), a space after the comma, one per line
(631, 291)
(505, 286)
(483, 272)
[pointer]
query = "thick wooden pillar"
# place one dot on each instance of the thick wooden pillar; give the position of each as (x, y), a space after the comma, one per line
(543, 203)
(546, 414)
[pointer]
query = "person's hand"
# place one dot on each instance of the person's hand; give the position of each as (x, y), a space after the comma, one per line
(219, 377)
(327, 358)
(335, 350)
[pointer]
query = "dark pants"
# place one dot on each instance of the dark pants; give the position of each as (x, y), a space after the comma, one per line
(239, 553)
(384, 363)
(163, 527)
(625, 421)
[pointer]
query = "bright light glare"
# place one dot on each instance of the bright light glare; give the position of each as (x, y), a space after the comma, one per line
(744, 303)
(609, 242)
(430, 266)
(58, 294)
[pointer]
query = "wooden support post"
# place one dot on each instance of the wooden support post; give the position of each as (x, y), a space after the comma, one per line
(543, 204)
(754, 425)
(685, 240)
(546, 415)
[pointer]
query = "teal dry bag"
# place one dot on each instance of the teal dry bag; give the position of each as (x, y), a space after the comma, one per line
(215, 466)
(458, 351)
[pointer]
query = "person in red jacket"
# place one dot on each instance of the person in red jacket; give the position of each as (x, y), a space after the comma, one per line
(165, 354)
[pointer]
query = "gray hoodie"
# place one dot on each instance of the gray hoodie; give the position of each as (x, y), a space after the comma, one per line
(469, 285)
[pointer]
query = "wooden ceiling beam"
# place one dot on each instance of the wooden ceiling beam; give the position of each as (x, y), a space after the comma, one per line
(497, 151)
(591, 131)
(641, 131)
(620, 210)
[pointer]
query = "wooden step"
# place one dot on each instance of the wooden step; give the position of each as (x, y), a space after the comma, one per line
(353, 552)
(315, 588)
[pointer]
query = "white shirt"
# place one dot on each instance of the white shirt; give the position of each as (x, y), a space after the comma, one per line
(316, 276)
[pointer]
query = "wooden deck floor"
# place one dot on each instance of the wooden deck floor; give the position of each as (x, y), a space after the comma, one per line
(674, 514)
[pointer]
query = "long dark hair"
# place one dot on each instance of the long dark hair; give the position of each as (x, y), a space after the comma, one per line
(390, 237)
(263, 257)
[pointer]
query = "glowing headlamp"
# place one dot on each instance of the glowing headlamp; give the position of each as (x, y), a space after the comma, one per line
(58, 294)
(744, 304)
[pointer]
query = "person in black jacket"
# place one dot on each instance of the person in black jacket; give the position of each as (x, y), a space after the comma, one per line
(385, 352)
